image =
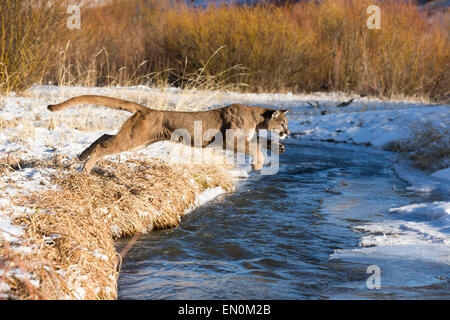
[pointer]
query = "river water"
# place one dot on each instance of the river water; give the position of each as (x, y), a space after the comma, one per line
(278, 236)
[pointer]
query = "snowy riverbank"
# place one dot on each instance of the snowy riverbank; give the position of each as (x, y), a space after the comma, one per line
(36, 142)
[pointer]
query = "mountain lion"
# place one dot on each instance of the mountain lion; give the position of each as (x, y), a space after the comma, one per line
(147, 126)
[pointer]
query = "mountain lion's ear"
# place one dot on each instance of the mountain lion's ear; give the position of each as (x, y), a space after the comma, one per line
(279, 113)
(271, 114)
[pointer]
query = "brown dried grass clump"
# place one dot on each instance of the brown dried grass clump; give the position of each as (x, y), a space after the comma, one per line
(74, 228)
(12, 161)
(16, 160)
(10, 260)
(428, 146)
(19, 272)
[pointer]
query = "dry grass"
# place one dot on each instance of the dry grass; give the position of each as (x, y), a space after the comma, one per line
(73, 229)
(17, 273)
(318, 46)
(303, 47)
(428, 148)
(28, 38)
(13, 161)
(24, 127)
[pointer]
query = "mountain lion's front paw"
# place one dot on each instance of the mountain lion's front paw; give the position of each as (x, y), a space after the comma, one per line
(281, 148)
(257, 166)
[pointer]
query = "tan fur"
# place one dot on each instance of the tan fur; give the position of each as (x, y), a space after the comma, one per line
(147, 126)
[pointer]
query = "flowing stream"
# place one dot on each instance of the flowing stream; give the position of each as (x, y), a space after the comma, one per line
(280, 236)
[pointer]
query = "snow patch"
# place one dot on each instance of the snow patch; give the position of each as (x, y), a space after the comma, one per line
(419, 181)
(423, 233)
(8, 231)
(209, 195)
(443, 174)
(433, 210)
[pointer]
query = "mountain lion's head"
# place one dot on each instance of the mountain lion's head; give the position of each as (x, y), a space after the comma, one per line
(275, 120)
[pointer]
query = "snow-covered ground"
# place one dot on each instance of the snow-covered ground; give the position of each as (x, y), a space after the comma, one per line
(419, 231)
(29, 131)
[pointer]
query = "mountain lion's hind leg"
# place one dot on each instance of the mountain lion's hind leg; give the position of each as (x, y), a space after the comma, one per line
(133, 134)
(87, 152)
(99, 150)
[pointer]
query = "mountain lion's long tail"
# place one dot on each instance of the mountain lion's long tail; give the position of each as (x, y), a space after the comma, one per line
(99, 100)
